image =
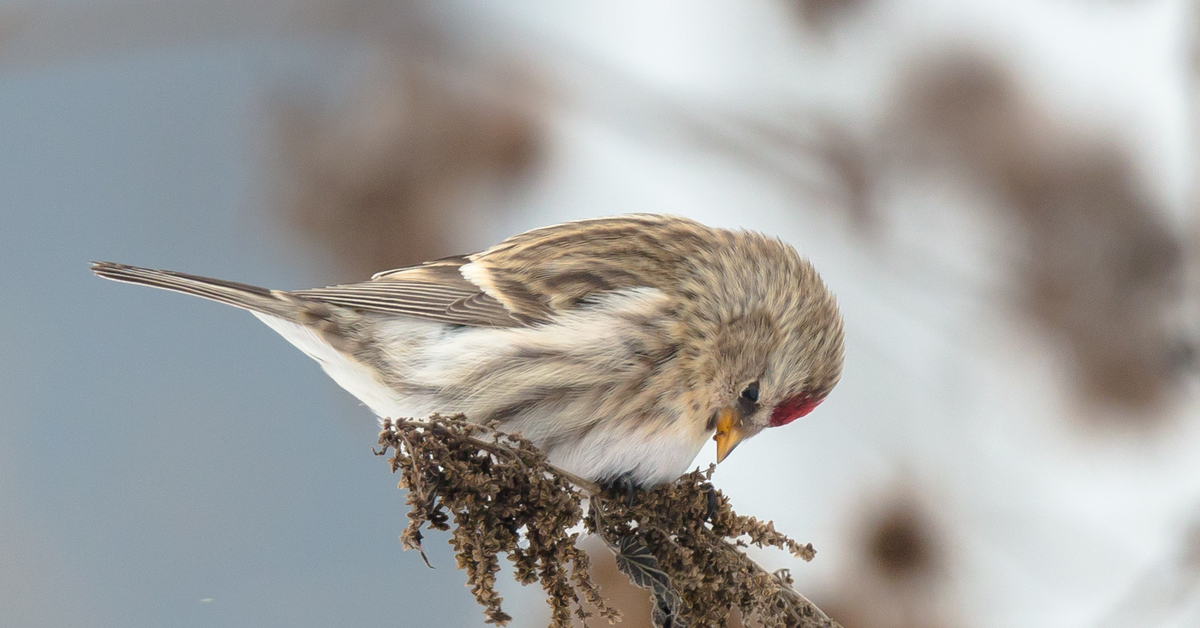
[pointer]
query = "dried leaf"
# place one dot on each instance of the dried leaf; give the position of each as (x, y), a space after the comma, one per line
(635, 560)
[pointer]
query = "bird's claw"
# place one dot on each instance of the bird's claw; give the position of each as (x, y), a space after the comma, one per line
(711, 494)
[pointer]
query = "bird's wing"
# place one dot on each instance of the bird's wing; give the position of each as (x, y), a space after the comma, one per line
(530, 277)
(434, 291)
(550, 270)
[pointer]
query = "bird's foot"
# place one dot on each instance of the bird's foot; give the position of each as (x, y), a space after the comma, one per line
(622, 483)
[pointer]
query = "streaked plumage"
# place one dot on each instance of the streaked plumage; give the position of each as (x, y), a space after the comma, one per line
(618, 345)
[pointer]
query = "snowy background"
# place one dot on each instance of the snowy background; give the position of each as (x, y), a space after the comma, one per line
(1001, 193)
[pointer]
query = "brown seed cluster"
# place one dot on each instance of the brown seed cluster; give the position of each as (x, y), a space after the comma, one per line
(497, 495)
(493, 493)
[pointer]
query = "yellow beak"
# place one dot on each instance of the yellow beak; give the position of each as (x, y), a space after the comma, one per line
(729, 431)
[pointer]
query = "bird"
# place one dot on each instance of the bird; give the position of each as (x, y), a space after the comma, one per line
(618, 346)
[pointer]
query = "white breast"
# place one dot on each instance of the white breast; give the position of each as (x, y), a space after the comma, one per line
(647, 459)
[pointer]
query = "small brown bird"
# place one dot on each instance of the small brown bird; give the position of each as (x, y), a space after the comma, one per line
(617, 345)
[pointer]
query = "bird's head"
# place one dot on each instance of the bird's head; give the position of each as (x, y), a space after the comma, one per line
(764, 339)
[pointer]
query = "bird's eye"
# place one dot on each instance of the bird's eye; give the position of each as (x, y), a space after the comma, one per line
(751, 393)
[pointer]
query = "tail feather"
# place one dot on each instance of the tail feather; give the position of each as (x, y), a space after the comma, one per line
(245, 296)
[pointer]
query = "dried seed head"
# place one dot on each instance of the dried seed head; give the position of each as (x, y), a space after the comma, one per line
(496, 494)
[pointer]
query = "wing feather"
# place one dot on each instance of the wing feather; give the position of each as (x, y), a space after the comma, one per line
(433, 291)
(530, 277)
(417, 300)
(554, 269)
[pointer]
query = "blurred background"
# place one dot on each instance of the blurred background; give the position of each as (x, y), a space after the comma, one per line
(1002, 193)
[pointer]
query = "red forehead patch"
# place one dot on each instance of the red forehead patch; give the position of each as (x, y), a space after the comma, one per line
(792, 409)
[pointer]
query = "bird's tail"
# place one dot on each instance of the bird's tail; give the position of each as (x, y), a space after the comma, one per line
(245, 296)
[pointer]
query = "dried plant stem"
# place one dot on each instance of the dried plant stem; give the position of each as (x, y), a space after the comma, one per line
(497, 494)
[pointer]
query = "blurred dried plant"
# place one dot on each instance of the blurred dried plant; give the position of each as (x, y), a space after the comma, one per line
(406, 172)
(819, 15)
(497, 495)
(900, 543)
(900, 576)
(1101, 269)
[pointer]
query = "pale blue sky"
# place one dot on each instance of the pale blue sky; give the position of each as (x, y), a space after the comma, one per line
(155, 450)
